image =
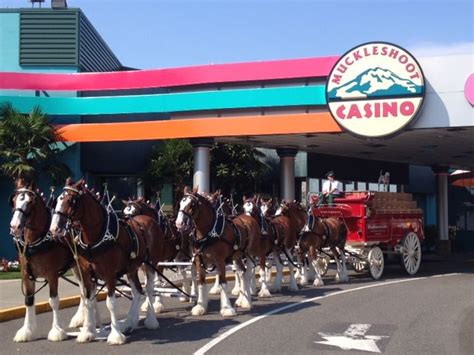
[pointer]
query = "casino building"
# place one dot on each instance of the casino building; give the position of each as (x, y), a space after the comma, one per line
(373, 109)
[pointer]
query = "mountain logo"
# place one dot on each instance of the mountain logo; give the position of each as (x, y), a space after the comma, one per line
(376, 82)
(375, 89)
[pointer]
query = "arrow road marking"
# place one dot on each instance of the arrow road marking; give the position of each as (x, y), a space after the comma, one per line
(353, 338)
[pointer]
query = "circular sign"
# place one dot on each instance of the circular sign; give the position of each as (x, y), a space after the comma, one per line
(375, 89)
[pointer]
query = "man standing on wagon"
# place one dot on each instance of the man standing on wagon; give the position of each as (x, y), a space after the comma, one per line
(331, 189)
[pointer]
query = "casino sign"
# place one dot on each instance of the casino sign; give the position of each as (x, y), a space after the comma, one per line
(375, 90)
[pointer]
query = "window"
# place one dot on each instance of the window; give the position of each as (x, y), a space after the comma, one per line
(373, 186)
(314, 185)
(349, 186)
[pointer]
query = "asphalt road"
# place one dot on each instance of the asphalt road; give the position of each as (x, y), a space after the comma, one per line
(396, 315)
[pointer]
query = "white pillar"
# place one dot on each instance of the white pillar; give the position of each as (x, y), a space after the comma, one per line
(202, 159)
(444, 244)
(140, 188)
(287, 172)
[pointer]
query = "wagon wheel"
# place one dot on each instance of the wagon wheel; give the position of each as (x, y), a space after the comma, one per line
(359, 266)
(411, 253)
(322, 263)
(376, 262)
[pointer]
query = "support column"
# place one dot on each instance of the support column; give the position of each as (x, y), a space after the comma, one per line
(444, 246)
(287, 172)
(202, 160)
(140, 188)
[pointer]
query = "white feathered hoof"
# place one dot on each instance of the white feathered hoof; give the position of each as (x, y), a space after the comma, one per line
(318, 283)
(144, 307)
(235, 291)
(77, 321)
(151, 322)
(238, 301)
(85, 337)
(245, 304)
(116, 338)
(24, 334)
(264, 293)
(198, 310)
(215, 290)
(303, 281)
(228, 312)
(57, 334)
(158, 307)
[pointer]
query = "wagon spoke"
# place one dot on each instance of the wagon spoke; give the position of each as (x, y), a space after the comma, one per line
(411, 253)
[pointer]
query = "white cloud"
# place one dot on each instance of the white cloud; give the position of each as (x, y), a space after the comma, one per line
(428, 49)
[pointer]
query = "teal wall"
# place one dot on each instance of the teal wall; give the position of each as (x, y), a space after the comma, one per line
(10, 62)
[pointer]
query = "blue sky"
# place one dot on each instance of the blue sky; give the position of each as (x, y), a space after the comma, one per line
(158, 34)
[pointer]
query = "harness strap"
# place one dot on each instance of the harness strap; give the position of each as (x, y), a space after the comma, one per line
(275, 233)
(134, 244)
(263, 223)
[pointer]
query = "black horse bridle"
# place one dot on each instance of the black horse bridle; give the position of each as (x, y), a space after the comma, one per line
(22, 190)
(69, 216)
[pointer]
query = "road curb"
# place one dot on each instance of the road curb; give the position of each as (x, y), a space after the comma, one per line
(12, 313)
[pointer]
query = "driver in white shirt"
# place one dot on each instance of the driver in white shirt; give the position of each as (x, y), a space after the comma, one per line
(331, 189)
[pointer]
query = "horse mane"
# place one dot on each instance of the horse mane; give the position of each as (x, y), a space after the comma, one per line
(200, 197)
(25, 183)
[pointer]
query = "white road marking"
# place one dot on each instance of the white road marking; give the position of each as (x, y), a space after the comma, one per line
(354, 338)
(235, 329)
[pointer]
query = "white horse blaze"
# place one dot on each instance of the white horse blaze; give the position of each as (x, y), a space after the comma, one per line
(248, 207)
(182, 205)
(129, 210)
(21, 202)
(58, 208)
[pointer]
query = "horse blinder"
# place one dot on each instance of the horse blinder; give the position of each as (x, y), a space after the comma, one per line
(10, 200)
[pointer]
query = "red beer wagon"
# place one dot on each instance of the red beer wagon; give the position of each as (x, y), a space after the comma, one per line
(379, 224)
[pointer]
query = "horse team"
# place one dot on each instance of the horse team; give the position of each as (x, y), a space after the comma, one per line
(77, 231)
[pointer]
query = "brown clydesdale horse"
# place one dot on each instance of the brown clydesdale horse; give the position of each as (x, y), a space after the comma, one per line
(287, 223)
(40, 256)
(230, 211)
(176, 246)
(262, 245)
(318, 233)
(217, 241)
(108, 248)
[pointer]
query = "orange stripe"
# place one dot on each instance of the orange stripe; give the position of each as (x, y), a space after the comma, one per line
(200, 127)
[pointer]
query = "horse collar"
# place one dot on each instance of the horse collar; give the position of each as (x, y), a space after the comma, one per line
(109, 234)
(38, 245)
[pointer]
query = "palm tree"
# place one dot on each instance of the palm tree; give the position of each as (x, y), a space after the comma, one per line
(29, 145)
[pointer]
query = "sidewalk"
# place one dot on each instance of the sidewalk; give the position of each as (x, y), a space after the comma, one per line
(12, 296)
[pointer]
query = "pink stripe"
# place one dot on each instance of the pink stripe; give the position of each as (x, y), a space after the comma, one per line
(140, 79)
(469, 89)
